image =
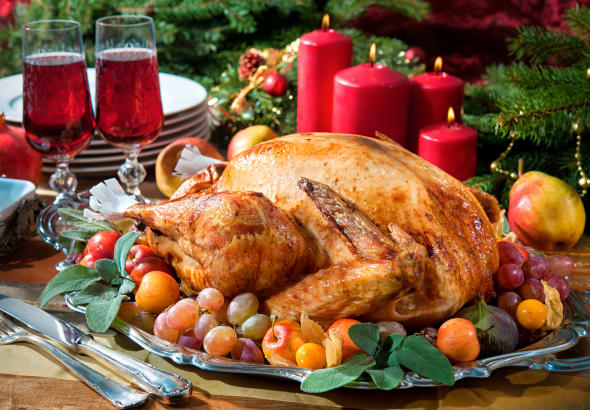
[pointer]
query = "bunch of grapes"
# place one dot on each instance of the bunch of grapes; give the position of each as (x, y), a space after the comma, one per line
(212, 323)
(519, 278)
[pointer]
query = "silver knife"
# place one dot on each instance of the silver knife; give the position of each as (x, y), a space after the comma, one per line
(163, 385)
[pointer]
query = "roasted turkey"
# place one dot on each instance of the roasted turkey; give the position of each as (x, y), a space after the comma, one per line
(331, 225)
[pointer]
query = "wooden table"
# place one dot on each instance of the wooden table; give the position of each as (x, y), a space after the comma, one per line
(31, 265)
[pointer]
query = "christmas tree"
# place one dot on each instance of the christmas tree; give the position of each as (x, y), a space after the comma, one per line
(536, 110)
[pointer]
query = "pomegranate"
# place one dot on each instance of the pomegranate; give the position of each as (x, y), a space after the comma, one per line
(17, 159)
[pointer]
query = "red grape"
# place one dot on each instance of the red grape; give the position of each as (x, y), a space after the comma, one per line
(210, 299)
(188, 339)
(561, 264)
(205, 323)
(532, 289)
(558, 282)
(162, 330)
(183, 314)
(510, 276)
(247, 351)
(509, 254)
(220, 341)
(508, 301)
(535, 267)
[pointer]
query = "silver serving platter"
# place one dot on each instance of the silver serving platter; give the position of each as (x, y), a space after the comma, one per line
(539, 355)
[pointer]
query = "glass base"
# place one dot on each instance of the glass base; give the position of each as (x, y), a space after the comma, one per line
(49, 226)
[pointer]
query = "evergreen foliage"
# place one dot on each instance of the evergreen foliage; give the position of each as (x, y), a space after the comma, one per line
(538, 98)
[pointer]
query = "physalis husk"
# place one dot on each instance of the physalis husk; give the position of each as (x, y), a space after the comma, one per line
(554, 307)
(333, 345)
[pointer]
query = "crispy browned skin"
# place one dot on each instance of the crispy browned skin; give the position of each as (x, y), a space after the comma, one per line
(382, 267)
(388, 185)
(235, 241)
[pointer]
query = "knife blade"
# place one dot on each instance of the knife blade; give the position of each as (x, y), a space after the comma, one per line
(163, 385)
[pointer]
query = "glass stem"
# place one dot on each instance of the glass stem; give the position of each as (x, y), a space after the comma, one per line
(131, 172)
(63, 181)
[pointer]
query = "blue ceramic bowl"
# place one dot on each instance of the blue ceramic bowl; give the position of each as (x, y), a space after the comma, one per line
(12, 194)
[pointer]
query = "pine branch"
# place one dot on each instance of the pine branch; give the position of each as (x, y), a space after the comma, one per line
(542, 45)
(578, 19)
(345, 10)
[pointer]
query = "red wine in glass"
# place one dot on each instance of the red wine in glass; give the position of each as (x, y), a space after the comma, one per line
(129, 107)
(57, 111)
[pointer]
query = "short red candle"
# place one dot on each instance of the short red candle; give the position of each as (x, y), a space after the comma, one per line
(450, 146)
(431, 96)
(322, 53)
(371, 97)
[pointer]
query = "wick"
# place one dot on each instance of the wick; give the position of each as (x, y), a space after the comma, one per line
(372, 63)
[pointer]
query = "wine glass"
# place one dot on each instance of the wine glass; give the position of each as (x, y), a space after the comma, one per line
(57, 112)
(128, 103)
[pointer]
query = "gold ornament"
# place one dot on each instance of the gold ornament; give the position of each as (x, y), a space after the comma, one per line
(584, 181)
(496, 166)
(588, 72)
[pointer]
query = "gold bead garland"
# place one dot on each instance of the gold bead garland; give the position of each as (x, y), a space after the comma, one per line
(496, 166)
(584, 181)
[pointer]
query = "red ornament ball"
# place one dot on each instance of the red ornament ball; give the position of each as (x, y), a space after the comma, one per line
(415, 55)
(276, 84)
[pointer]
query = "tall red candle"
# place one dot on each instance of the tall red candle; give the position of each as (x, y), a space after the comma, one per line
(322, 53)
(432, 94)
(371, 97)
(450, 146)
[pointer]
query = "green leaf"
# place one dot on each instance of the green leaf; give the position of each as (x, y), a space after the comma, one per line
(420, 356)
(390, 343)
(392, 359)
(365, 336)
(100, 314)
(328, 379)
(76, 218)
(81, 236)
(95, 292)
(75, 277)
(127, 286)
(107, 268)
(386, 379)
(124, 243)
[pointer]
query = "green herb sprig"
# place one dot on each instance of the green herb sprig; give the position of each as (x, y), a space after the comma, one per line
(101, 289)
(382, 362)
(85, 228)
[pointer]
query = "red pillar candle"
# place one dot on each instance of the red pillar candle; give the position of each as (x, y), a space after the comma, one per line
(431, 96)
(450, 146)
(322, 53)
(371, 97)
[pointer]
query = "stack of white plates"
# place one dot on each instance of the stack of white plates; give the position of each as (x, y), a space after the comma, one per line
(184, 103)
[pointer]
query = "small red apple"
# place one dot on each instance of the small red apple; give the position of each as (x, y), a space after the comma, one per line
(283, 339)
(275, 84)
(88, 261)
(136, 254)
(17, 159)
(149, 264)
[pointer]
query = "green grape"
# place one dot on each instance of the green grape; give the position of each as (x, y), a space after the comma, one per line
(255, 327)
(241, 308)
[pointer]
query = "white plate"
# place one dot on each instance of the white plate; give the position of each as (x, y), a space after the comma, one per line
(179, 127)
(178, 94)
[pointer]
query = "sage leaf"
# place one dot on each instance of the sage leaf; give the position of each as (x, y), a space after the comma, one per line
(107, 269)
(386, 379)
(328, 379)
(392, 359)
(95, 292)
(417, 354)
(100, 314)
(75, 277)
(124, 243)
(76, 218)
(81, 236)
(365, 336)
(127, 285)
(390, 343)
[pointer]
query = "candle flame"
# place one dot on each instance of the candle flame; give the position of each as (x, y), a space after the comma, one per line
(438, 65)
(450, 116)
(326, 22)
(372, 53)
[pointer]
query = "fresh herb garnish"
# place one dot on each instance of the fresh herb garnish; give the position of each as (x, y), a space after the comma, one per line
(101, 289)
(382, 362)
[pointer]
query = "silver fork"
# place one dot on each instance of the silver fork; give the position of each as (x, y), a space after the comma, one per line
(118, 395)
